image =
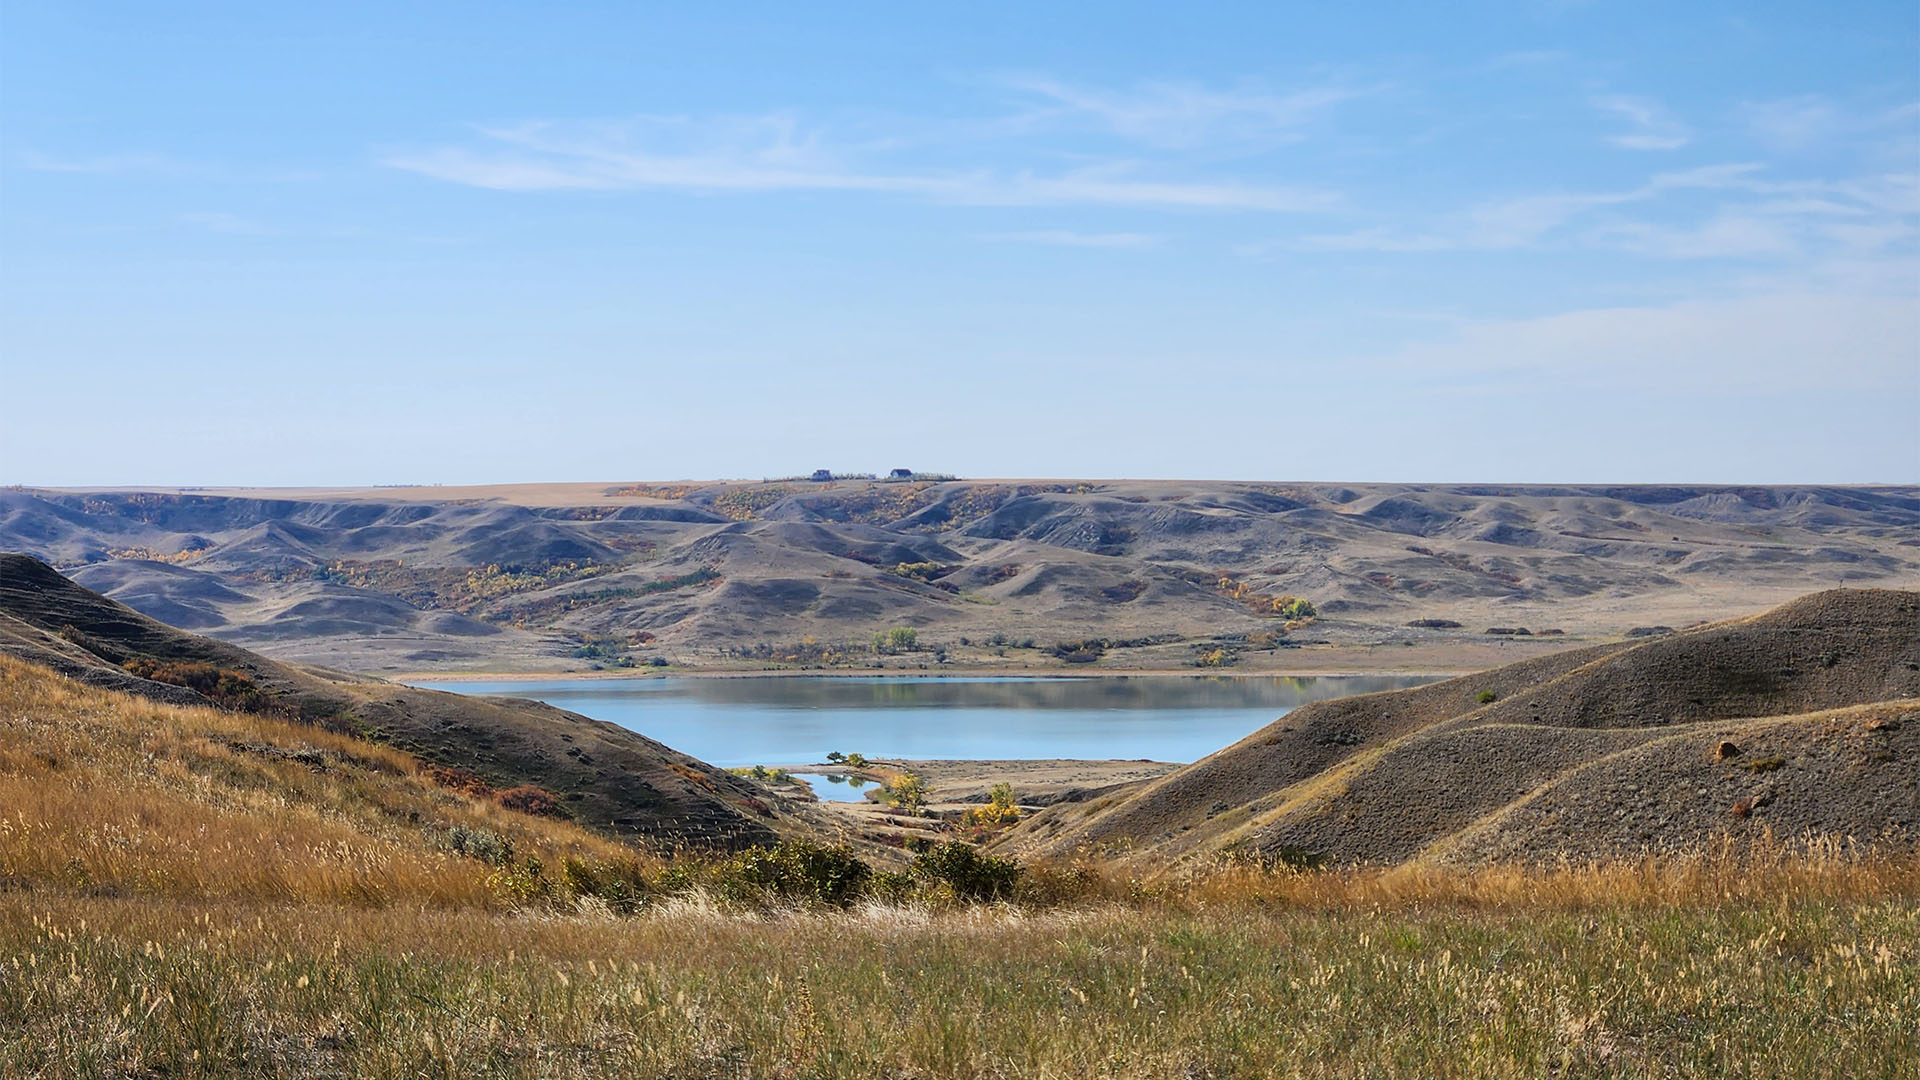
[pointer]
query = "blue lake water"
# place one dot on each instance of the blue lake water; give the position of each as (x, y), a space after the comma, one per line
(733, 722)
(837, 787)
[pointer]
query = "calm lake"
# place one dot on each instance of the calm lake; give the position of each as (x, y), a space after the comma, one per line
(785, 721)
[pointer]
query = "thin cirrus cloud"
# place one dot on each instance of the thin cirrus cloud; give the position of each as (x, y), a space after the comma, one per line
(766, 156)
(1068, 238)
(1524, 221)
(1754, 218)
(1792, 123)
(1652, 126)
(1147, 126)
(1177, 115)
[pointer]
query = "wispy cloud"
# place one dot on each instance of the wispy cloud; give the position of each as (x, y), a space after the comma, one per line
(1179, 115)
(773, 153)
(1067, 238)
(1724, 237)
(1653, 127)
(1792, 123)
(1524, 220)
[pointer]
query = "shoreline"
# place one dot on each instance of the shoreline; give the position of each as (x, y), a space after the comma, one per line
(413, 677)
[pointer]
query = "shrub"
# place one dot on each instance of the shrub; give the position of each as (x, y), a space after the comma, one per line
(1485, 697)
(521, 884)
(224, 685)
(531, 800)
(970, 874)
(1049, 884)
(1001, 808)
(621, 888)
(483, 844)
(1294, 607)
(906, 791)
(793, 870)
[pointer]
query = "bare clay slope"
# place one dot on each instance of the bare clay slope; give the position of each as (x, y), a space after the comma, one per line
(1604, 750)
(522, 578)
(607, 777)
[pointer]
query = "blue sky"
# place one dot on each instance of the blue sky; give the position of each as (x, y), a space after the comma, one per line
(382, 243)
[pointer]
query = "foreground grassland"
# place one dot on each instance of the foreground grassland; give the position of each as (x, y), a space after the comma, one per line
(105, 988)
(196, 893)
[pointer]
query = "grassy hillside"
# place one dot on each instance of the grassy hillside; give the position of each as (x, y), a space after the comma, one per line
(1804, 719)
(197, 892)
(1158, 574)
(598, 774)
(110, 795)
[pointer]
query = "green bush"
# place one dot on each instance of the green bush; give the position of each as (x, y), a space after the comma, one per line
(620, 887)
(906, 791)
(792, 870)
(525, 883)
(483, 844)
(970, 874)
(1485, 696)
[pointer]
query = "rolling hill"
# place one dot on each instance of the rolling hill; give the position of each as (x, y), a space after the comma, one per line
(1163, 573)
(1803, 719)
(604, 776)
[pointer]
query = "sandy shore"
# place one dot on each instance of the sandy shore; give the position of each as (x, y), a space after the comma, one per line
(1035, 781)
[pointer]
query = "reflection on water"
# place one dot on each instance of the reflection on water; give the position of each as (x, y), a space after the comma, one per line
(832, 787)
(787, 721)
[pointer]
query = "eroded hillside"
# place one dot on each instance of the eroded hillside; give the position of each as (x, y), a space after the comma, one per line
(598, 774)
(1154, 574)
(1804, 719)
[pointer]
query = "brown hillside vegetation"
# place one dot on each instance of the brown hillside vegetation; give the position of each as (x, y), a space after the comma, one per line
(1804, 719)
(106, 794)
(201, 892)
(732, 574)
(598, 774)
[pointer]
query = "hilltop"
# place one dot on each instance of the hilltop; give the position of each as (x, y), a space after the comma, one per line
(1805, 719)
(598, 774)
(1015, 574)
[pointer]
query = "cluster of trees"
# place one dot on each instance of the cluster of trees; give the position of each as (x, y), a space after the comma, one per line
(1291, 608)
(897, 640)
(810, 650)
(745, 503)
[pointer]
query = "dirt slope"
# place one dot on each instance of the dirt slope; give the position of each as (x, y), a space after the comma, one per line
(607, 777)
(523, 578)
(1601, 750)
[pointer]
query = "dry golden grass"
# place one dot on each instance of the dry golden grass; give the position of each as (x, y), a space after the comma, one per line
(111, 794)
(187, 892)
(116, 987)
